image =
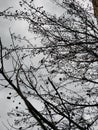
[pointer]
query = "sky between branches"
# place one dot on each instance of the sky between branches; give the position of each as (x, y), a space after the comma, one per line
(19, 27)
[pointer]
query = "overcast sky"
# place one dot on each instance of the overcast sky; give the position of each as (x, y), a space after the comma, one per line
(19, 27)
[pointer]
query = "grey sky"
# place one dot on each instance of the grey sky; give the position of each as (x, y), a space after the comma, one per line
(19, 27)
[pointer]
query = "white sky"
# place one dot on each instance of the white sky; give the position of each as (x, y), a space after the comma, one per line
(18, 27)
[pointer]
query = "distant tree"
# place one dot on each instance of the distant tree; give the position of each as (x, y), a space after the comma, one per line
(65, 79)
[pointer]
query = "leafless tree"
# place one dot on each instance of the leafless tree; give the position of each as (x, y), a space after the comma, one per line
(65, 80)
